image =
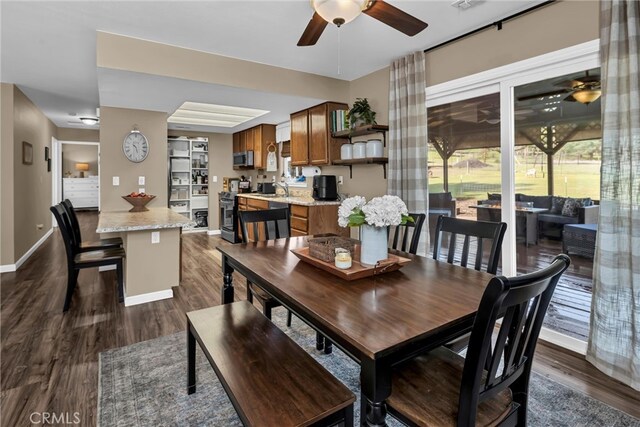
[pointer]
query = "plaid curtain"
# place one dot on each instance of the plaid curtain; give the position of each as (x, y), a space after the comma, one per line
(408, 137)
(614, 340)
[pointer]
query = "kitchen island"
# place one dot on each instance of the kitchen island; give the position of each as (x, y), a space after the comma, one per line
(152, 242)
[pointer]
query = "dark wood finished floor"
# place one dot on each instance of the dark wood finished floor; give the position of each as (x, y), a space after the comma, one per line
(49, 361)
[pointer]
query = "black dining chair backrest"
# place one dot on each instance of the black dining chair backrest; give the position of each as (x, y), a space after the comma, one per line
(481, 230)
(73, 221)
(524, 301)
(406, 237)
(64, 224)
(274, 223)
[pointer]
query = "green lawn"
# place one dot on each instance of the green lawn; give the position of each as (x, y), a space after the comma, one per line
(582, 180)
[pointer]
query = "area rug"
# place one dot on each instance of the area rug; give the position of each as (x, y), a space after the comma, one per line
(144, 384)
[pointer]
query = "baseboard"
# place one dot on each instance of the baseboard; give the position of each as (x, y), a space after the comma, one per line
(213, 232)
(193, 230)
(150, 297)
(13, 267)
(106, 268)
(7, 268)
(565, 341)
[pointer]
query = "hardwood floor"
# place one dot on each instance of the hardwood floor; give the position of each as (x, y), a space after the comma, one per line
(49, 360)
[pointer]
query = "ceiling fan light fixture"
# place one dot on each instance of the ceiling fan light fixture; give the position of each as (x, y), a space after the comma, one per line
(339, 11)
(586, 96)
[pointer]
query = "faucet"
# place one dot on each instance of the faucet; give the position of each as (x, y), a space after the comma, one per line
(284, 187)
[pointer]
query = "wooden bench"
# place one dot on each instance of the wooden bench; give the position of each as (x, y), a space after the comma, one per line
(269, 379)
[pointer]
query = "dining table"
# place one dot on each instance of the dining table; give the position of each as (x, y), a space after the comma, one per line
(378, 321)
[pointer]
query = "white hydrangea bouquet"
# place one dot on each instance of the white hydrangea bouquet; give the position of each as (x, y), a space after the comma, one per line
(378, 212)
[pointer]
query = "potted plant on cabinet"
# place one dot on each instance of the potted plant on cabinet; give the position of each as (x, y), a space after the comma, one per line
(361, 113)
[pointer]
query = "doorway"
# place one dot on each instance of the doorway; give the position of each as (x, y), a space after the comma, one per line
(77, 174)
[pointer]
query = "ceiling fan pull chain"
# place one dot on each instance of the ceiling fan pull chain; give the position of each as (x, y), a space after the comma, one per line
(339, 50)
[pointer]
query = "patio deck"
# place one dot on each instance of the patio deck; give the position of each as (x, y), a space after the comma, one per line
(571, 303)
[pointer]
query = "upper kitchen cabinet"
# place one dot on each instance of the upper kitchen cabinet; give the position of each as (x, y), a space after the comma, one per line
(311, 139)
(255, 139)
(300, 138)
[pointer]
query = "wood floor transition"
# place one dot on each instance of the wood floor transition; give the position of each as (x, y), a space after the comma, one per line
(49, 360)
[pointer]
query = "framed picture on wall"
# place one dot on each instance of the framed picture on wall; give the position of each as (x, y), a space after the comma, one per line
(27, 153)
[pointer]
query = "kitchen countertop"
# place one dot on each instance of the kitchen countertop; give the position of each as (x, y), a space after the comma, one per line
(153, 219)
(293, 200)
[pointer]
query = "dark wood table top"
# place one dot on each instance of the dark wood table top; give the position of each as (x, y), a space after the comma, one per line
(376, 316)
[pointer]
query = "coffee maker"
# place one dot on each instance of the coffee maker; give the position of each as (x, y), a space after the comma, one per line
(325, 187)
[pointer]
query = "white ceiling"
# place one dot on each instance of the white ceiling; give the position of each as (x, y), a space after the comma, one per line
(49, 48)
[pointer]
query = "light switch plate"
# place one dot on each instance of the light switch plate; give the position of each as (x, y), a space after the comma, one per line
(340, 180)
(215, 178)
(141, 180)
(155, 237)
(116, 181)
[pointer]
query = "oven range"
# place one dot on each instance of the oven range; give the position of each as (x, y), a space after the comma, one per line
(229, 216)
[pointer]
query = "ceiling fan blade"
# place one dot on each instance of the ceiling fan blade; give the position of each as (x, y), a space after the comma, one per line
(314, 30)
(541, 95)
(395, 18)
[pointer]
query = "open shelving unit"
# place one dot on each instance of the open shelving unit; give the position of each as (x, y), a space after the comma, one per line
(363, 131)
(189, 178)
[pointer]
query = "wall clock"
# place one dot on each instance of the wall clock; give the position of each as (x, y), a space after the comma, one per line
(135, 146)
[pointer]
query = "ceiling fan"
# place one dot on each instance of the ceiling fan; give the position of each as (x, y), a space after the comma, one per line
(341, 12)
(584, 90)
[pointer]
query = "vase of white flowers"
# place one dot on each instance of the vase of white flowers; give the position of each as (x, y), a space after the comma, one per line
(373, 218)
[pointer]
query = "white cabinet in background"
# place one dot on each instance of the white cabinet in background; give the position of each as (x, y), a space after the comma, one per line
(83, 192)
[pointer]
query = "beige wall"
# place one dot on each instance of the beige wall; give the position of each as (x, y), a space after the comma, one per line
(32, 183)
(6, 175)
(536, 33)
(78, 135)
(557, 26)
(220, 165)
(73, 153)
(131, 54)
(115, 124)
(368, 180)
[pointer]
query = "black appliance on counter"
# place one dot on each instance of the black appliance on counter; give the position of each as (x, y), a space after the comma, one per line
(325, 187)
(229, 216)
(266, 188)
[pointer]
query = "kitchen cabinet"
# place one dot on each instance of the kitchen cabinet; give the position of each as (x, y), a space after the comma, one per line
(299, 138)
(309, 220)
(305, 220)
(311, 139)
(256, 139)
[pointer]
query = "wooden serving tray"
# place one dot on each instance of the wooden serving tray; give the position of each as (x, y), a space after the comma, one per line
(357, 270)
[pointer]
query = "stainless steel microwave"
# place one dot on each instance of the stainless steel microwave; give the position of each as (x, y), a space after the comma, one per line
(244, 158)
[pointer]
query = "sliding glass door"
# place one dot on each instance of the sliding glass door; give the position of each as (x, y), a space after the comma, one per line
(526, 139)
(557, 152)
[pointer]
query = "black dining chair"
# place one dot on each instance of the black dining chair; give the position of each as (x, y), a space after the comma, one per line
(264, 225)
(482, 232)
(77, 260)
(113, 242)
(491, 385)
(267, 225)
(406, 237)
